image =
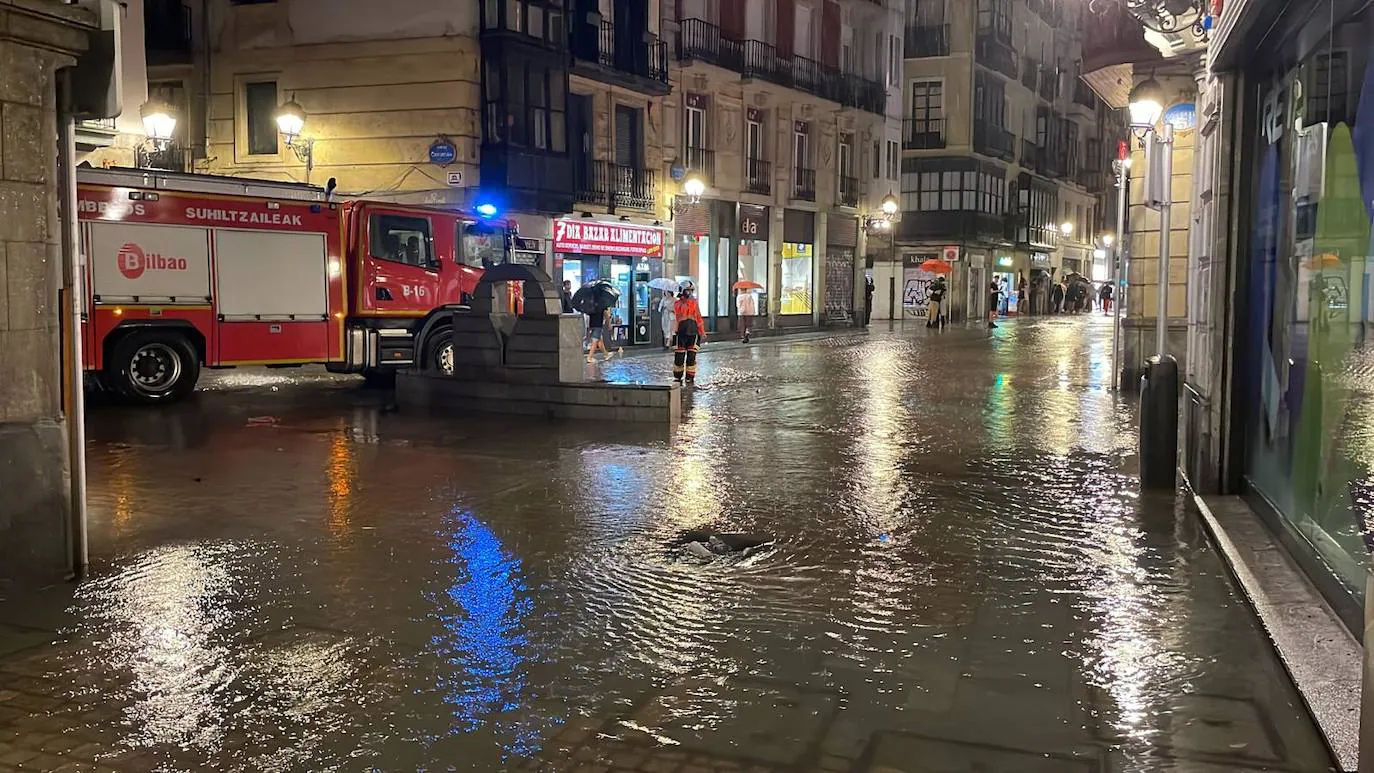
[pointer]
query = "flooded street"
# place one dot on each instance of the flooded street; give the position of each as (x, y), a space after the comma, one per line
(291, 574)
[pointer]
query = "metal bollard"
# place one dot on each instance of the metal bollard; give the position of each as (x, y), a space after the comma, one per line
(1159, 423)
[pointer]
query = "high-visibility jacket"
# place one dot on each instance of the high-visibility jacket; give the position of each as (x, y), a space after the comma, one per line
(685, 309)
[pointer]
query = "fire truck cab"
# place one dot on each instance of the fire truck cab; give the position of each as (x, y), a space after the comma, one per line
(184, 271)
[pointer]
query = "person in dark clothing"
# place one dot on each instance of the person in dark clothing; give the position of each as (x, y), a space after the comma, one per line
(567, 297)
(994, 298)
(868, 299)
(1105, 295)
(1057, 298)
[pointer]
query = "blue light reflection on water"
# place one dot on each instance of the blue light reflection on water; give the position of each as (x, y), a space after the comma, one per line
(483, 640)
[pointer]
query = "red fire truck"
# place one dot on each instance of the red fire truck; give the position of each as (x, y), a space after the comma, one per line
(189, 270)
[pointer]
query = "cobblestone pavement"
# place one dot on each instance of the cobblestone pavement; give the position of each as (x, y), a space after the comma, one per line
(291, 574)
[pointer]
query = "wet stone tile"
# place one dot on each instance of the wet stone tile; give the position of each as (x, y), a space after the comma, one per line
(895, 753)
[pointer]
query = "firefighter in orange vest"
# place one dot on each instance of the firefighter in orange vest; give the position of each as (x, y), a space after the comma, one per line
(691, 333)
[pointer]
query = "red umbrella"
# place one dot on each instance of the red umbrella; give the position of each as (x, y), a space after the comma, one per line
(745, 284)
(937, 266)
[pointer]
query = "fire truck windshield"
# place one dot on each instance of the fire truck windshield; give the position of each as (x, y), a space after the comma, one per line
(481, 245)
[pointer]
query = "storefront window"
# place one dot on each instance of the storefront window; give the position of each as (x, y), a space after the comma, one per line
(753, 267)
(1311, 452)
(798, 264)
(620, 278)
(699, 273)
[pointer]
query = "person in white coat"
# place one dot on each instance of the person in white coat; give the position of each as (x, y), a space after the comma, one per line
(665, 319)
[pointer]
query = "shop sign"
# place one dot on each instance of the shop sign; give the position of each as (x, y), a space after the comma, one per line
(592, 238)
(950, 254)
(753, 222)
(1038, 259)
(1005, 261)
(796, 250)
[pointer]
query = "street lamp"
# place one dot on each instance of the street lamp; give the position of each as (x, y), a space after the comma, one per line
(890, 205)
(1066, 228)
(1146, 105)
(694, 186)
(159, 121)
(1107, 240)
(290, 119)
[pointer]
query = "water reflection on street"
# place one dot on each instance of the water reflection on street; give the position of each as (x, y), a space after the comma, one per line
(292, 574)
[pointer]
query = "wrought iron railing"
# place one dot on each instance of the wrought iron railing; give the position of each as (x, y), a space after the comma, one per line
(699, 40)
(923, 133)
(804, 184)
(614, 185)
(701, 160)
(758, 176)
(850, 191)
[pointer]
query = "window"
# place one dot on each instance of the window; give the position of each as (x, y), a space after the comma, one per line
(990, 100)
(479, 245)
(696, 127)
(758, 23)
(401, 239)
(540, 19)
(846, 156)
(753, 140)
(970, 190)
(801, 150)
(525, 105)
(260, 107)
(877, 160)
(798, 269)
(894, 60)
(927, 104)
(894, 159)
(802, 28)
(995, 16)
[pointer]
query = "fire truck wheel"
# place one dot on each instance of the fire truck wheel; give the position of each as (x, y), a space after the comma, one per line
(439, 353)
(154, 367)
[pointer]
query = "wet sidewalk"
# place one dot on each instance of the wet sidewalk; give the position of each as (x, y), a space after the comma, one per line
(965, 578)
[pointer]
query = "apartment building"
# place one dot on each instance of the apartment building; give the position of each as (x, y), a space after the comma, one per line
(1004, 158)
(785, 119)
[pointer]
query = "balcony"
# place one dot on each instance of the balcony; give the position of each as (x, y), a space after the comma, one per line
(1056, 164)
(955, 226)
(804, 184)
(701, 161)
(702, 41)
(167, 32)
(530, 180)
(850, 191)
(625, 57)
(1084, 96)
(923, 133)
(614, 186)
(1094, 180)
(758, 176)
(926, 40)
(996, 54)
(992, 140)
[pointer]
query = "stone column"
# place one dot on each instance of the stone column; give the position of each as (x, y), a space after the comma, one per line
(1138, 323)
(37, 37)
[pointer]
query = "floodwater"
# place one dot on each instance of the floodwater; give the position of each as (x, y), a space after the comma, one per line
(293, 575)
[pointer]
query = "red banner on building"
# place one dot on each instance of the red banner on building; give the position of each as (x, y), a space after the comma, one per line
(588, 237)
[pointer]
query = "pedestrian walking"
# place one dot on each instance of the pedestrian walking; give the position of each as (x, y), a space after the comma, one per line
(1021, 307)
(868, 299)
(567, 297)
(1057, 298)
(665, 319)
(747, 304)
(994, 298)
(690, 334)
(1105, 295)
(935, 312)
(596, 334)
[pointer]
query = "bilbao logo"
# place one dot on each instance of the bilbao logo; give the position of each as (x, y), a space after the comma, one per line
(133, 261)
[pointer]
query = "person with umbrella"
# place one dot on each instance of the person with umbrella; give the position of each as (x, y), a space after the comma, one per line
(747, 305)
(669, 288)
(596, 301)
(691, 333)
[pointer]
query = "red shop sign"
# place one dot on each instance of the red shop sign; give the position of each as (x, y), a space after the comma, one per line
(593, 238)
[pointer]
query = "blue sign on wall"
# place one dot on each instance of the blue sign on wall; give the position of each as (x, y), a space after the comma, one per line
(443, 152)
(1182, 116)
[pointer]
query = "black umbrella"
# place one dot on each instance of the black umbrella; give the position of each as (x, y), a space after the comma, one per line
(596, 297)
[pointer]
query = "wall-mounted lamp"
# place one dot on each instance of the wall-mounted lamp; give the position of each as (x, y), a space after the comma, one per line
(290, 119)
(159, 122)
